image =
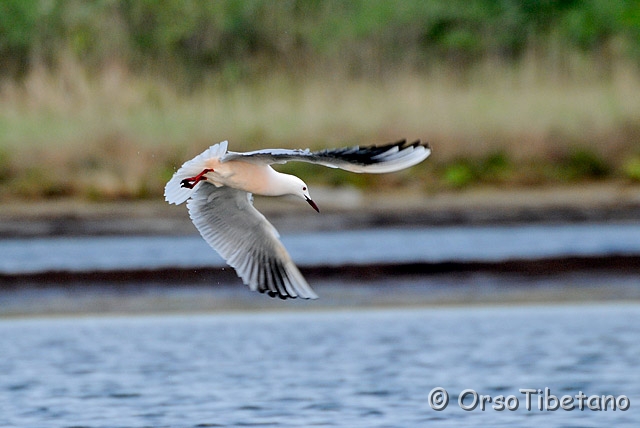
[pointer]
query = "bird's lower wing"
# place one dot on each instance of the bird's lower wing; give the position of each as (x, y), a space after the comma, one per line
(228, 221)
(371, 159)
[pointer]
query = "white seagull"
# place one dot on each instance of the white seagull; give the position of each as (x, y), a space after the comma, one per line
(219, 185)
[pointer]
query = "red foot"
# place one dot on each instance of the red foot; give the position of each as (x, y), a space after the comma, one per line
(190, 182)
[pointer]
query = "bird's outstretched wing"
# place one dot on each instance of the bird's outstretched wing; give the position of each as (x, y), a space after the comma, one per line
(228, 221)
(371, 159)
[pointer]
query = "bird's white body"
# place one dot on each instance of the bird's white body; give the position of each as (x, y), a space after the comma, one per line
(218, 186)
(253, 178)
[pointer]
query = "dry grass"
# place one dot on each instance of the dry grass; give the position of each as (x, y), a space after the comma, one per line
(116, 135)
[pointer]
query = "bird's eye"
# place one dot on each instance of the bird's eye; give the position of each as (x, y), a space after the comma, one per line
(304, 188)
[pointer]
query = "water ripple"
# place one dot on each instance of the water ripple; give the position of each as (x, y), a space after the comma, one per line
(361, 368)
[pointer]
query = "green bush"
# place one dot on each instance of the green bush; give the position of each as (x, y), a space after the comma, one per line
(6, 169)
(583, 164)
(459, 174)
(494, 168)
(631, 168)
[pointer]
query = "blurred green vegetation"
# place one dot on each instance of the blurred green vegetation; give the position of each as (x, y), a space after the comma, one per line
(110, 96)
(495, 168)
(631, 168)
(185, 40)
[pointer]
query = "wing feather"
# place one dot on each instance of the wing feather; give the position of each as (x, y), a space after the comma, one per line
(228, 222)
(371, 159)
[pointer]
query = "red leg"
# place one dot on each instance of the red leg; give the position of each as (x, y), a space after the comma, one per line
(190, 182)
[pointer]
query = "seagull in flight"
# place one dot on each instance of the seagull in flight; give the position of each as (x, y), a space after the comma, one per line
(218, 186)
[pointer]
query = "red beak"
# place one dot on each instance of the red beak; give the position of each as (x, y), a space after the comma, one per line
(313, 204)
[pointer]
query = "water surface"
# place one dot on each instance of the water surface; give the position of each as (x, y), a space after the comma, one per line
(369, 368)
(384, 245)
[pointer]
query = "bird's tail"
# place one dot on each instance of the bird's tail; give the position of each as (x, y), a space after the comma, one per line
(174, 193)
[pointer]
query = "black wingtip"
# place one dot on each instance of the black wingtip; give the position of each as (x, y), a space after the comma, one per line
(275, 294)
(369, 155)
(403, 144)
(400, 144)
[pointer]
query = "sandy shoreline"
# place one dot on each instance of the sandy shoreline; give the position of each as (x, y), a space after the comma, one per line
(210, 296)
(340, 209)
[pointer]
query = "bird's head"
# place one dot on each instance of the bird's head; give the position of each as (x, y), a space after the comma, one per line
(300, 189)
